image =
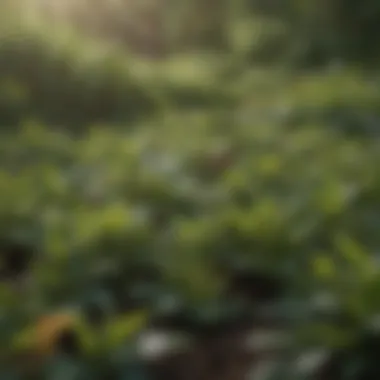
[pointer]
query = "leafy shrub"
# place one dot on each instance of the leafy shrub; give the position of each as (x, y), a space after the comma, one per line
(182, 172)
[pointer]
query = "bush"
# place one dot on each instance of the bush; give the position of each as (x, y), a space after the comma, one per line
(183, 171)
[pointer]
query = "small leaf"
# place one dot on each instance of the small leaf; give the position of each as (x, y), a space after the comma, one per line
(125, 327)
(324, 267)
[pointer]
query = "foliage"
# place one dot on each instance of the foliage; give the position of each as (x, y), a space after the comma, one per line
(134, 182)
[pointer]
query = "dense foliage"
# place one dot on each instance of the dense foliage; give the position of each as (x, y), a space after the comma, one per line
(130, 187)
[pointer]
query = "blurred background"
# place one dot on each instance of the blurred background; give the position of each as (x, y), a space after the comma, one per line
(189, 189)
